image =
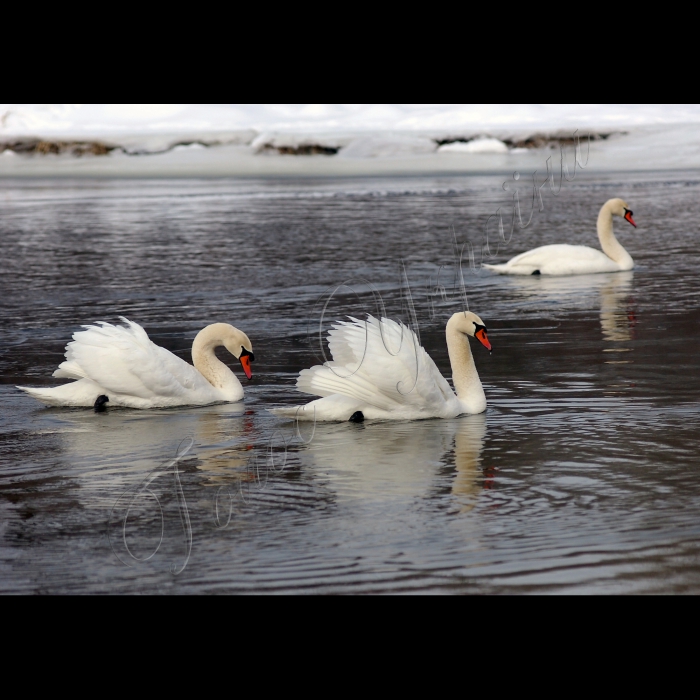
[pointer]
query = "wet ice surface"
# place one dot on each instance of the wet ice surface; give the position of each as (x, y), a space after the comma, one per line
(581, 477)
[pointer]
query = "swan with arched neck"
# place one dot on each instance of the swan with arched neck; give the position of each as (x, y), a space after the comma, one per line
(122, 366)
(380, 371)
(564, 259)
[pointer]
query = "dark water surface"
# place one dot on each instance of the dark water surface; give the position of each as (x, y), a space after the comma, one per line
(581, 477)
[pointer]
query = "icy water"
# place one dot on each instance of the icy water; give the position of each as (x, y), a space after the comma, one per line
(581, 477)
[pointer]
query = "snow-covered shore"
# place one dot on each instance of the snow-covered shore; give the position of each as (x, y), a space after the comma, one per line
(643, 148)
(73, 142)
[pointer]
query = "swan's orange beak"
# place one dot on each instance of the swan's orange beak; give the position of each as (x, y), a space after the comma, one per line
(245, 359)
(628, 216)
(481, 337)
(245, 363)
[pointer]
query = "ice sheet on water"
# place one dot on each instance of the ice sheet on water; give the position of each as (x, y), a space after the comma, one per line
(388, 146)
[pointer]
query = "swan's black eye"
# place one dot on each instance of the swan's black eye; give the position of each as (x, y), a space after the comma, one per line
(245, 353)
(478, 327)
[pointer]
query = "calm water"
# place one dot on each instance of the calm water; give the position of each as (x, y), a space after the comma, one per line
(582, 476)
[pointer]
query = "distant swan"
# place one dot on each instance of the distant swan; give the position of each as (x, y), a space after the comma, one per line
(123, 366)
(380, 372)
(563, 259)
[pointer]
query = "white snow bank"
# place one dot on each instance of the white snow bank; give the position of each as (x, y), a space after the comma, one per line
(345, 145)
(101, 119)
(138, 143)
(188, 146)
(479, 145)
(643, 148)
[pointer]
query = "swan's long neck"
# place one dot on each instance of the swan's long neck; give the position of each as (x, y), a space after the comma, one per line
(464, 375)
(209, 365)
(610, 245)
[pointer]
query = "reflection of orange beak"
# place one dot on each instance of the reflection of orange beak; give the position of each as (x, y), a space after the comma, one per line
(245, 363)
(481, 337)
(629, 218)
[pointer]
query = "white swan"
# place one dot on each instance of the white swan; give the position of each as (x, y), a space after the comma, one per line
(123, 366)
(380, 372)
(563, 259)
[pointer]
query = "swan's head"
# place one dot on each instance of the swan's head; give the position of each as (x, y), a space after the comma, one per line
(470, 324)
(239, 345)
(223, 334)
(618, 207)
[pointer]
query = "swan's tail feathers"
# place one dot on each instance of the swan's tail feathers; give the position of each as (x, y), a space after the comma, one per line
(82, 393)
(501, 269)
(40, 393)
(47, 395)
(293, 412)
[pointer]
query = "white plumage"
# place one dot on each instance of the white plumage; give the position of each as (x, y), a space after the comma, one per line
(123, 364)
(564, 259)
(558, 259)
(381, 370)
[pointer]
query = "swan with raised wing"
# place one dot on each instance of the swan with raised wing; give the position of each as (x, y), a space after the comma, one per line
(564, 259)
(122, 366)
(380, 371)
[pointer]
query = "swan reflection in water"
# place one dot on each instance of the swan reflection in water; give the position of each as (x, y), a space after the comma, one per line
(610, 292)
(377, 462)
(224, 443)
(617, 314)
(122, 446)
(399, 460)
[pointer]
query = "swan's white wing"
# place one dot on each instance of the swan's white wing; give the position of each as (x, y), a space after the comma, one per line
(126, 361)
(381, 364)
(390, 356)
(558, 259)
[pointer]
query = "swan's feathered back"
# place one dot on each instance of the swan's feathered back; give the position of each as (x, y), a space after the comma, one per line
(383, 365)
(125, 361)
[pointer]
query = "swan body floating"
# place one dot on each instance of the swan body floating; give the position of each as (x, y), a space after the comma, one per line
(563, 259)
(123, 366)
(379, 371)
